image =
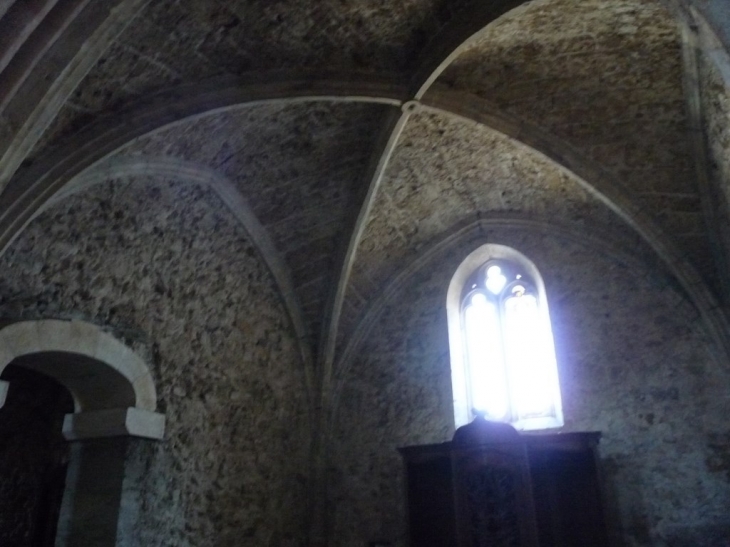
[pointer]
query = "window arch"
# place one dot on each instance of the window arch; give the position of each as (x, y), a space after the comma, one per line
(501, 344)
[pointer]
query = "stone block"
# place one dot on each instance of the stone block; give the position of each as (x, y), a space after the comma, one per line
(6, 352)
(4, 386)
(120, 357)
(144, 389)
(83, 337)
(116, 422)
(57, 335)
(21, 338)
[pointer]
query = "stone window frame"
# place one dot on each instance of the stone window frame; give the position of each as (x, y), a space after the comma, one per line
(461, 388)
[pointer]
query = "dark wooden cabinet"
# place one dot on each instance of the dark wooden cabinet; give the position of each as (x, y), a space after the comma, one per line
(519, 491)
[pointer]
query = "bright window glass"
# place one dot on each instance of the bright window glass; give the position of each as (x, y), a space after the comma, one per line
(507, 353)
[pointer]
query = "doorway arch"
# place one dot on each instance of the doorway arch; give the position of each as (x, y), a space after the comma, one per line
(113, 390)
(113, 406)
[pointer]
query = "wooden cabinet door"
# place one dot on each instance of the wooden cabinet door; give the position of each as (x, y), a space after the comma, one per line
(493, 496)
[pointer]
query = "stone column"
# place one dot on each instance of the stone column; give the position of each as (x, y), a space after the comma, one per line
(95, 511)
(92, 499)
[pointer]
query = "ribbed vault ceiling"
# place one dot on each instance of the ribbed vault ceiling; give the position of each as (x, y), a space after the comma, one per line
(173, 42)
(300, 167)
(597, 80)
(607, 77)
(446, 172)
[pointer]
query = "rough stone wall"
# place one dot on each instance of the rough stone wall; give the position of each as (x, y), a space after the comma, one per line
(300, 166)
(166, 268)
(715, 98)
(634, 363)
(605, 76)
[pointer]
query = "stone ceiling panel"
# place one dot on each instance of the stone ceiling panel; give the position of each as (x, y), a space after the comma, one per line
(607, 77)
(446, 172)
(299, 166)
(173, 42)
(603, 75)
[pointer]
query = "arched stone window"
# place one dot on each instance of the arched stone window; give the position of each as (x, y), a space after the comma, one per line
(502, 352)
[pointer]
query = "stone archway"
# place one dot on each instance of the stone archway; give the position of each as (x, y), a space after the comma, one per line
(113, 390)
(114, 403)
